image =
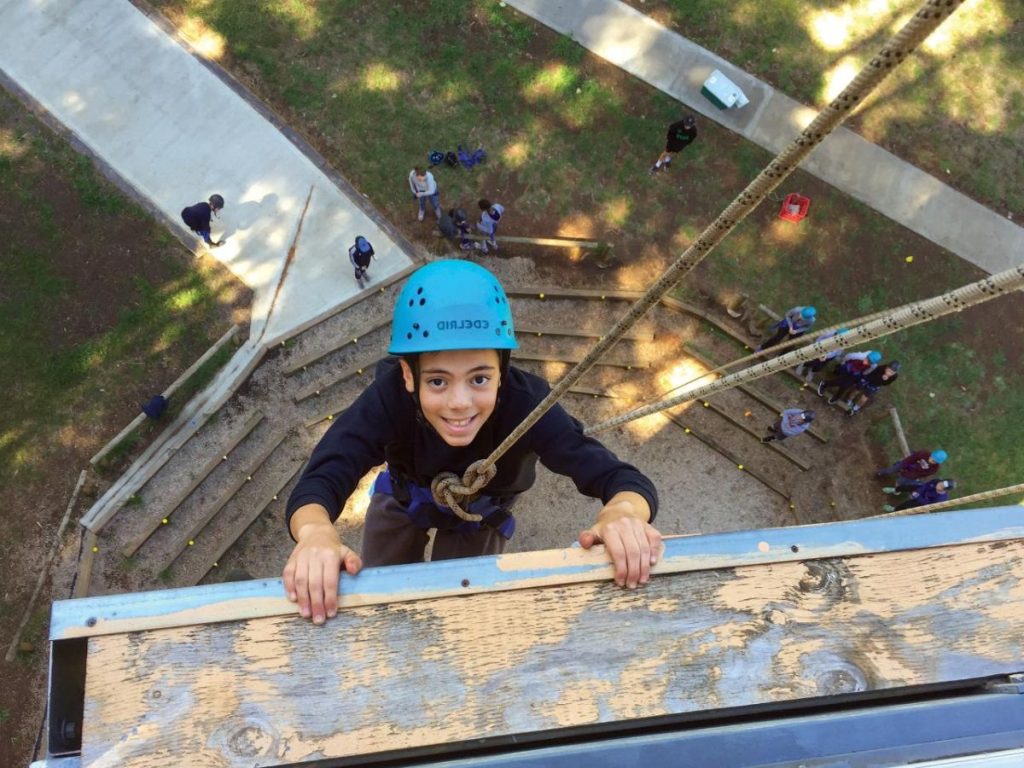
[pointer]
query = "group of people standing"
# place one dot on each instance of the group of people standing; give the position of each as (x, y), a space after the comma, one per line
(455, 222)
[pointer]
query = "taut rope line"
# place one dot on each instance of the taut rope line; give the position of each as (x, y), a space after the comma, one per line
(904, 317)
(447, 486)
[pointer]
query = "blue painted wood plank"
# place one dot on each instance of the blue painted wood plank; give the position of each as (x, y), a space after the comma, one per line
(206, 604)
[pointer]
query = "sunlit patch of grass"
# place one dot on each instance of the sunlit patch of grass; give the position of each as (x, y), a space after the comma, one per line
(515, 154)
(207, 42)
(381, 77)
(554, 79)
(303, 17)
(616, 211)
(576, 225)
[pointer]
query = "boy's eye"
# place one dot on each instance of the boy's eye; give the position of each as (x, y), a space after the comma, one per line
(435, 382)
(481, 379)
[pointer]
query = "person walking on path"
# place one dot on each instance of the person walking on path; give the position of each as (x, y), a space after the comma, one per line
(922, 493)
(490, 215)
(854, 366)
(792, 422)
(423, 188)
(681, 134)
(360, 254)
(868, 385)
(796, 322)
(810, 367)
(446, 399)
(198, 217)
(915, 466)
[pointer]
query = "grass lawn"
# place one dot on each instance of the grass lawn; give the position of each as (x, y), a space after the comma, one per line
(375, 87)
(954, 109)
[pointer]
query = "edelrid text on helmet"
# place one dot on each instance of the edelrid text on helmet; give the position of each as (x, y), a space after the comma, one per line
(451, 304)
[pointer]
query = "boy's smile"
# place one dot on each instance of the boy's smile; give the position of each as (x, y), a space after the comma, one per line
(458, 391)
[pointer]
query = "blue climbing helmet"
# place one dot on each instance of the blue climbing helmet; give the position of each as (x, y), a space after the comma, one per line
(874, 357)
(451, 304)
(809, 313)
(939, 456)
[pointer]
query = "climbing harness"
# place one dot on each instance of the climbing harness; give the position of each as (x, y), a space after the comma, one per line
(931, 14)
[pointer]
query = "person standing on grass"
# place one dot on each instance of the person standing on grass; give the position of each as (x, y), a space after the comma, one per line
(792, 422)
(490, 215)
(916, 466)
(855, 365)
(808, 368)
(921, 493)
(796, 322)
(681, 134)
(423, 188)
(868, 385)
(197, 218)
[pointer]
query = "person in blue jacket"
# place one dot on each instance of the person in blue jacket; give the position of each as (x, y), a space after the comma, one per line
(198, 218)
(446, 399)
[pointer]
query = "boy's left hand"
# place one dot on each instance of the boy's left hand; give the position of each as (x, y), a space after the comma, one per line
(633, 544)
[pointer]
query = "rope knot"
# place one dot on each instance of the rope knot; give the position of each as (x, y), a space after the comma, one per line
(451, 491)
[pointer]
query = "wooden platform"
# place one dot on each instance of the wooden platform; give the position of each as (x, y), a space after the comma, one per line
(525, 645)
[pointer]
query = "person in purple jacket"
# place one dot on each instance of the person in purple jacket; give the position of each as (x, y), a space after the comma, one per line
(922, 493)
(448, 398)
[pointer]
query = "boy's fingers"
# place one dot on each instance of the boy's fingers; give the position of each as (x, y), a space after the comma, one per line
(331, 571)
(289, 579)
(316, 592)
(302, 588)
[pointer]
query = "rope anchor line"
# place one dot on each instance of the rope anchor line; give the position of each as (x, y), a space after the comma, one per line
(927, 18)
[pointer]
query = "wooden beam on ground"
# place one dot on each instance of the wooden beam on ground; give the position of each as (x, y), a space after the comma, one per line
(635, 335)
(548, 292)
(555, 242)
(366, 366)
(300, 361)
(757, 394)
(174, 386)
(187, 423)
(901, 437)
(773, 446)
(83, 579)
(243, 476)
(245, 520)
(712, 443)
(572, 655)
(541, 358)
(198, 476)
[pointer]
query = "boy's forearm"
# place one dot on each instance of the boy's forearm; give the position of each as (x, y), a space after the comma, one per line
(308, 514)
(638, 508)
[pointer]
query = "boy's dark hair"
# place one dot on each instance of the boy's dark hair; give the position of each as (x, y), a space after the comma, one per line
(418, 170)
(483, 203)
(216, 201)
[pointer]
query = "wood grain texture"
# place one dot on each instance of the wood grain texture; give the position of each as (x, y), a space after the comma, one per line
(408, 675)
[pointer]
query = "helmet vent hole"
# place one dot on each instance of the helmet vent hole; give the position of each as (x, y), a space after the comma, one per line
(425, 334)
(504, 322)
(412, 302)
(419, 290)
(415, 326)
(422, 302)
(409, 335)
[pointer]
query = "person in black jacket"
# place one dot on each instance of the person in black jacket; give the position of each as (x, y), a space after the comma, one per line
(197, 218)
(681, 134)
(446, 401)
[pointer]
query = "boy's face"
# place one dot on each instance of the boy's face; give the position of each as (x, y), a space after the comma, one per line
(458, 390)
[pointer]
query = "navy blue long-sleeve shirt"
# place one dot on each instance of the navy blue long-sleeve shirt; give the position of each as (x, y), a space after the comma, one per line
(197, 217)
(382, 425)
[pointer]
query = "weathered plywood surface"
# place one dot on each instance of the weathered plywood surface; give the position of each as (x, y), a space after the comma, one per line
(415, 674)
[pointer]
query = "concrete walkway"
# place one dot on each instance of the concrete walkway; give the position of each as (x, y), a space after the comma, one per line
(175, 132)
(671, 63)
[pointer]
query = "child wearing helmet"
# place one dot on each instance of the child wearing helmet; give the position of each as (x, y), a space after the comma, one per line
(916, 466)
(490, 216)
(921, 493)
(808, 368)
(868, 386)
(797, 322)
(197, 218)
(360, 254)
(446, 400)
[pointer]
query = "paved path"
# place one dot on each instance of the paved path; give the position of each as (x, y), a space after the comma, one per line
(671, 63)
(176, 132)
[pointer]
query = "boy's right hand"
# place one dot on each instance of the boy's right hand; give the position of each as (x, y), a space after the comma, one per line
(312, 572)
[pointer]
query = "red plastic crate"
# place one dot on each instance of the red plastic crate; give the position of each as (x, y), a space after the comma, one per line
(795, 207)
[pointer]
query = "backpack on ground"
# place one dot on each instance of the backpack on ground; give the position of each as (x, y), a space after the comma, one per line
(469, 159)
(451, 160)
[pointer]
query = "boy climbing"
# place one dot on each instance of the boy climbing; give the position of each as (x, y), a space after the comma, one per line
(447, 399)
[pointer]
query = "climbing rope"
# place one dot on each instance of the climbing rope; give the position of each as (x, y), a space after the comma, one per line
(928, 17)
(905, 317)
(983, 496)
